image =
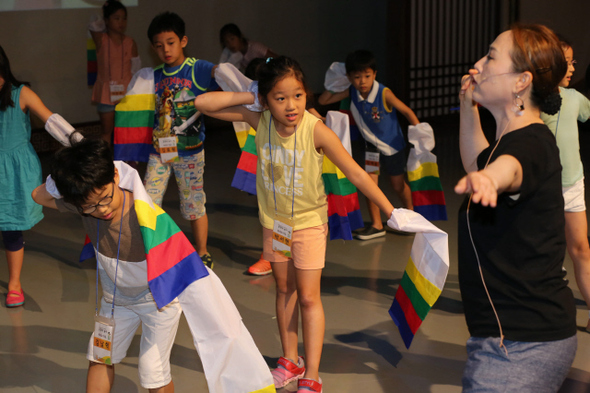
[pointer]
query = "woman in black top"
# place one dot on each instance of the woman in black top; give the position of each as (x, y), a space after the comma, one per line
(519, 310)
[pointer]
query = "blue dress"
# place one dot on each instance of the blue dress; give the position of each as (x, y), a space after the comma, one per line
(20, 169)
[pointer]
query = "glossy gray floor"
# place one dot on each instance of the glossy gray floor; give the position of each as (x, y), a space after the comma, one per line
(42, 345)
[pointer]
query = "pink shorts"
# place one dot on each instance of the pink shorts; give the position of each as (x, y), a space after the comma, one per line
(308, 247)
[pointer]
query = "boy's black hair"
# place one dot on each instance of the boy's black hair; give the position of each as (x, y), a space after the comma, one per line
(82, 168)
(166, 21)
(9, 81)
(230, 28)
(112, 6)
(360, 60)
(274, 69)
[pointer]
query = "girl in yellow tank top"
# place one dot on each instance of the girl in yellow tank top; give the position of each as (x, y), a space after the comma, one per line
(290, 143)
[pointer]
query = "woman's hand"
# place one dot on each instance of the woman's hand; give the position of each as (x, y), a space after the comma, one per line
(483, 187)
(466, 92)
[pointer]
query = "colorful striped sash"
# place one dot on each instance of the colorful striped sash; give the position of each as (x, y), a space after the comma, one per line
(428, 197)
(134, 118)
(425, 274)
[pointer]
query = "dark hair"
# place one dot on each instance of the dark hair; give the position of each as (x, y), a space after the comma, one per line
(82, 168)
(9, 81)
(112, 6)
(538, 51)
(233, 29)
(252, 68)
(166, 21)
(360, 60)
(275, 69)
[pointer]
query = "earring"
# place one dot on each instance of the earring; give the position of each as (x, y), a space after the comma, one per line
(518, 105)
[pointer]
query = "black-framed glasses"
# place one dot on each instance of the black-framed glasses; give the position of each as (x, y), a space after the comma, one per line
(103, 202)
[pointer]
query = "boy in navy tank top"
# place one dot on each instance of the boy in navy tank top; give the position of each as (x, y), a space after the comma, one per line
(374, 108)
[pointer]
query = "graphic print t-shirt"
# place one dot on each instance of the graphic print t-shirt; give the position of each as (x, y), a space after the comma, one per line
(175, 115)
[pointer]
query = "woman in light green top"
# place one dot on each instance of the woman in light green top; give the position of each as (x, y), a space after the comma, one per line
(564, 126)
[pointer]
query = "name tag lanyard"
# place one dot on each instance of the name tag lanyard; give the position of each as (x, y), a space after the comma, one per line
(104, 328)
(117, 90)
(282, 232)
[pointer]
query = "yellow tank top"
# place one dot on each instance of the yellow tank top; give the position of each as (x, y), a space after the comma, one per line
(298, 188)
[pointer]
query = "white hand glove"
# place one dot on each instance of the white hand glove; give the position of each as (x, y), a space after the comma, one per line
(60, 129)
(255, 107)
(51, 188)
(336, 80)
(97, 24)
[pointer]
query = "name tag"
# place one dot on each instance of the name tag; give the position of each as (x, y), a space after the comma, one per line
(372, 162)
(102, 350)
(117, 91)
(168, 149)
(281, 238)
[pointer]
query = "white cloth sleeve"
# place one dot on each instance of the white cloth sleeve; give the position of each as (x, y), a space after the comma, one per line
(60, 129)
(336, 80)
(135, 64)
(51, 188)
(141, 82)
(96, 24)
(229, 78)
(256, 106)
(339, 123)
(422, 137)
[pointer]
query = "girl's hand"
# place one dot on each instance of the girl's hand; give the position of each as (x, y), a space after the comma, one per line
(483, 188)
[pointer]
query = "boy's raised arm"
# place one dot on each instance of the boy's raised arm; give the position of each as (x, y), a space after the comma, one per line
(402, 108)
(328, 97)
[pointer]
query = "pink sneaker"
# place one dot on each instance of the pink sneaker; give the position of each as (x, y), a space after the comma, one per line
(260, 268)
(287, 371)
(307, 385)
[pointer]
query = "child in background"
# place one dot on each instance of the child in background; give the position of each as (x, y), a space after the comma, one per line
(117, 61)
(177, 82)
(564, 125)
(238, 50)
(20, 170)
(262, 266)
(88, 180)
(374, 107)
(290, 143)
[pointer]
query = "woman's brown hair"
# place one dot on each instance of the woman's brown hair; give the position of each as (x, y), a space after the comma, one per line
(537, 50)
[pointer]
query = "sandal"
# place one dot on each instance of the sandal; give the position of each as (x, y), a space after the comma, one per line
(15, 298)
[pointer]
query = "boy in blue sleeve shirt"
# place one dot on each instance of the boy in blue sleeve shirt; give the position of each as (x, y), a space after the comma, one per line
(178, 131)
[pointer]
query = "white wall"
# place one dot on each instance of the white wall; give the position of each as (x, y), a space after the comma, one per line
(48, 48)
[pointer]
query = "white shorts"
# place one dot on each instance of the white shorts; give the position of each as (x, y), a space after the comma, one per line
(158, 332)
(573, 197)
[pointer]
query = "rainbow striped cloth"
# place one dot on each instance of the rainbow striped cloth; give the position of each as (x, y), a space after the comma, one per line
(428, 197)
(231, 360)
(425, 273)
(91, 62)
(245, 176)
(344, 213)
(134, 118)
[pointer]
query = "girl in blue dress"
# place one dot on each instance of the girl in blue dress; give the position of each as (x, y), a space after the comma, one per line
(20, 171)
